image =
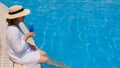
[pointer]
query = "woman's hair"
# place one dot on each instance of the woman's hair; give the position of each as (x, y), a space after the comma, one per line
(12, 22)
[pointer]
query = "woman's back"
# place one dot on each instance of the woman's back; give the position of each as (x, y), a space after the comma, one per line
(16, 45)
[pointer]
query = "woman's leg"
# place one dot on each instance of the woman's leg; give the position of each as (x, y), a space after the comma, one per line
(51, 62)
(42, 53)
(45, 58)
(42, 59)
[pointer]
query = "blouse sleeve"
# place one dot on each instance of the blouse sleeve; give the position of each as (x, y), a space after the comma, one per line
(16, 42)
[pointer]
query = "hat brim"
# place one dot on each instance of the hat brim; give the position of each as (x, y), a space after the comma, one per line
(20, 14)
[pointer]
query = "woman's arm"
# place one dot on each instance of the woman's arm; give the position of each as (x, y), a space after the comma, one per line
(28, 35)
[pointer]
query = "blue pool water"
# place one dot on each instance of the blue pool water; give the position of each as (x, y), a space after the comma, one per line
(81, 33)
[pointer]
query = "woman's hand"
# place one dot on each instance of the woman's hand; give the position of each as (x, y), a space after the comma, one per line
(28, 35)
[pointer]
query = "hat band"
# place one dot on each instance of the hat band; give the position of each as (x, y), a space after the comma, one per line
(11, 13)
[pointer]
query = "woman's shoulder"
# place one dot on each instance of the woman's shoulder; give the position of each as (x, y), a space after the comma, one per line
(12, 29)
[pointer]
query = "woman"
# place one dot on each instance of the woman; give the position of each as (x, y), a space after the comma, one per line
(18, 49)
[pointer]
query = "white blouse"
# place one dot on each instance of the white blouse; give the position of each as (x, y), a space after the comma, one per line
(19, 50)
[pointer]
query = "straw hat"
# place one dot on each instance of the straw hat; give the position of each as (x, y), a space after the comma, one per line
(17, 11)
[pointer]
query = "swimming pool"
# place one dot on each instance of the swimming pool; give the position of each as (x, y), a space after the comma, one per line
(81, 33)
